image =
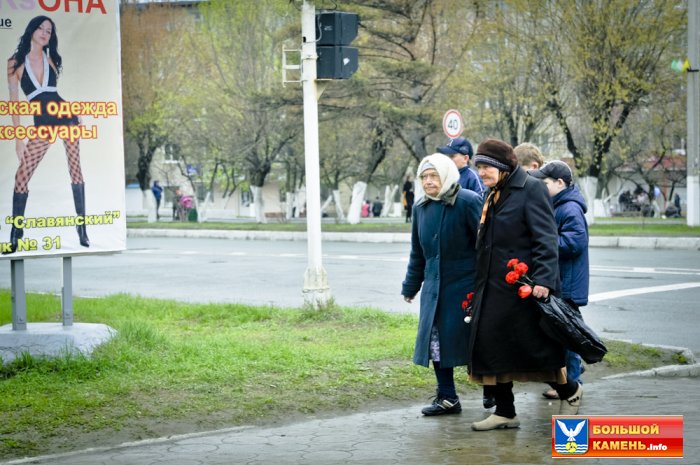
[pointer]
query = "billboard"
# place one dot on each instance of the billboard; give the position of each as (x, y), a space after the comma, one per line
(61, 144)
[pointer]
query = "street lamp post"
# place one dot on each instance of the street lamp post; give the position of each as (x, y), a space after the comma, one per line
(316, 291)
(693, 148)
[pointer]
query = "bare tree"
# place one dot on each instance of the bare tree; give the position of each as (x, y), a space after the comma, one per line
(149, 51)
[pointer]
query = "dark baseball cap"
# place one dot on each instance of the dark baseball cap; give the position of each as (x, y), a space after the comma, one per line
(555, 169)
(457, 145)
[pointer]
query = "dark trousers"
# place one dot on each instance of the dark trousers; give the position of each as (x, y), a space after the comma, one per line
(445, 381)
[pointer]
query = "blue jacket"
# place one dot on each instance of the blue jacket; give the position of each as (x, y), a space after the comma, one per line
(569, 209)
(471, 181)
(442, 263)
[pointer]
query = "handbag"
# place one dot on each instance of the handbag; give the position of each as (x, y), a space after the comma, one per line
(563, 323)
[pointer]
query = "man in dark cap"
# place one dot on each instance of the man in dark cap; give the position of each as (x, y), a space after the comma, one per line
(460, 150)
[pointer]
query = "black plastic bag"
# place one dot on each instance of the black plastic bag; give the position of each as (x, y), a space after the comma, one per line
(565, 324)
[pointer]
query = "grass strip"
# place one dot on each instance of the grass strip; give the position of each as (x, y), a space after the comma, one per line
(176, 367)
(622, 228)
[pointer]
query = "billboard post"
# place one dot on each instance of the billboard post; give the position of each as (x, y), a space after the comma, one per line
(61, 155)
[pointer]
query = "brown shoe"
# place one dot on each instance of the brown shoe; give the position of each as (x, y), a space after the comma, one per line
(550, 394)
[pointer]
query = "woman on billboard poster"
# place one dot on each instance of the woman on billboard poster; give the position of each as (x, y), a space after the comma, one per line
(35, 67)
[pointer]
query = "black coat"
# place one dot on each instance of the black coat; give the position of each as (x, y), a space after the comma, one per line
(506, 337)
(442, 261)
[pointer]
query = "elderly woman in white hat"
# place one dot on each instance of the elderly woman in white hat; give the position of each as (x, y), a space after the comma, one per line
(442, 263)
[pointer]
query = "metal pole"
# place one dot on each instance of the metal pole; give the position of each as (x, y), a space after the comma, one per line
(67, 291)
(18, 295)
(693, 148)
(316, 291)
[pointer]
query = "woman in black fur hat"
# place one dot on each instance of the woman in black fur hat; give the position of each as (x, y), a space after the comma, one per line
(507, 343)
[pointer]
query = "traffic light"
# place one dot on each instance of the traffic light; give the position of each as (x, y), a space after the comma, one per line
(334, 32)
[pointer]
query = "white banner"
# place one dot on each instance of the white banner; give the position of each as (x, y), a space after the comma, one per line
(61, 145)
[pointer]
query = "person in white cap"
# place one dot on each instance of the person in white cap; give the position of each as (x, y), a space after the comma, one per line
(442, 266)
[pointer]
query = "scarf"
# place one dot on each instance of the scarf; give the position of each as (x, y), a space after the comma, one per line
(492, 199)
(449, 176)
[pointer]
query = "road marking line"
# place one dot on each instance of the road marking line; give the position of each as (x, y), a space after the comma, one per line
(644, 270)
(642, 290)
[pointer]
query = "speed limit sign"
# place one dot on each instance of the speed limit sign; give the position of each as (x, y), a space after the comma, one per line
(452, 124)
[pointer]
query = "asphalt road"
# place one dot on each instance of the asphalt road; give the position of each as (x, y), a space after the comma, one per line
(638, 295)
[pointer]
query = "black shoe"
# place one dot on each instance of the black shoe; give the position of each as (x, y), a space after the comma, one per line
(489, 401)
(441, 406)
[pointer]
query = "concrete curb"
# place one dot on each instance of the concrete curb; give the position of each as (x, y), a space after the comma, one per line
(681, 243)
(634, 242)
(690, 369)
(668, 371)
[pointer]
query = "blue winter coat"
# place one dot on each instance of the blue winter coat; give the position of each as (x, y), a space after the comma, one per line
(569, 210)
(442, 261)
(471, 181)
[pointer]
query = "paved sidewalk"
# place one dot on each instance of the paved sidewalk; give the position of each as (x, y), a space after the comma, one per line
(404, 437)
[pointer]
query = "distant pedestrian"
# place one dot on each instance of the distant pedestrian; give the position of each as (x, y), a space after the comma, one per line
(366, 208)
(407, 197)
(677, 202)
(377, 208)
(177, 207)
(158, 194)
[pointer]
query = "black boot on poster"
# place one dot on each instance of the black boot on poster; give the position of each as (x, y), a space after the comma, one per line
(79, 199)
(19, 204)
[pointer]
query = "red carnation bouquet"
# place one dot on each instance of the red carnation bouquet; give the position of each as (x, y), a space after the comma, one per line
(467, 307)
(518, 275)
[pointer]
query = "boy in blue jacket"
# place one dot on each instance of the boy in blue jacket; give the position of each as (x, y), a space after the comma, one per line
(569, 213)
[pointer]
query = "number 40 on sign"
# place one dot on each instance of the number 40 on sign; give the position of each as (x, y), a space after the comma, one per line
(452, 124)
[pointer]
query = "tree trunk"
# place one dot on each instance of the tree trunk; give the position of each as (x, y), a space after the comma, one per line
(389, 192)
(289, 201)
(300, 202)
(340, 215)
(258, 204)
(326, 202)
(358, 197)
(589, 187)
(149, 202)
(204, 207)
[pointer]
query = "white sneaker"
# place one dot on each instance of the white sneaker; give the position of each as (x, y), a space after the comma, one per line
(494, 422)
(571, 405)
